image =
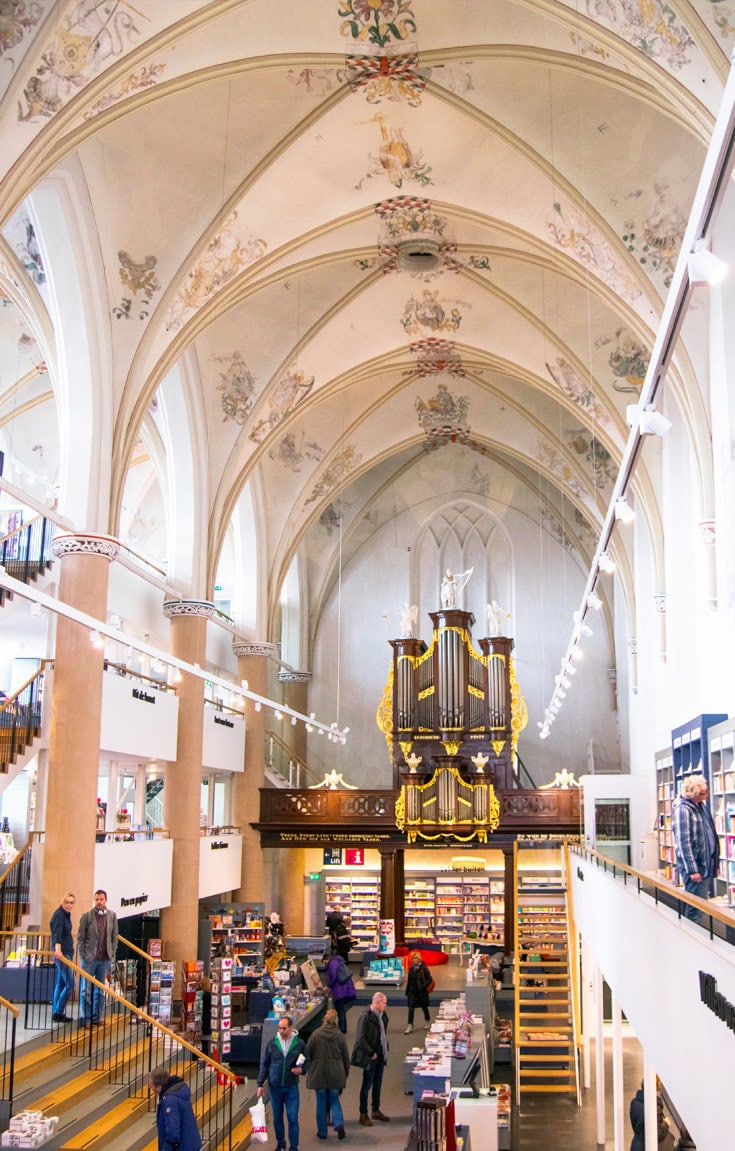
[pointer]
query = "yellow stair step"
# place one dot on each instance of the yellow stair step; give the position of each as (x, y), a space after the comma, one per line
(71, 1093)
(106, 1127)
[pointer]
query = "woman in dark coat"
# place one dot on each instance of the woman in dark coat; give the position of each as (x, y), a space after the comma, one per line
(417, 990)
(637, 1121)
(327, 1074)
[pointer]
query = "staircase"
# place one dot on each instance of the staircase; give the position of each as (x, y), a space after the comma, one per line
(20, 718)
(546, 1049)
(25, 553)
(96, 1081)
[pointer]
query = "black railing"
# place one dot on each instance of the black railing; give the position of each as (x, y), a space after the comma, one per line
(20, 718)
(26, 552)
(8, 1024)
(127, 1043)
(15, 884)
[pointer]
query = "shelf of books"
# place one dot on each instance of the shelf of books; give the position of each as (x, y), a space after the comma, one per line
(722, 799)
(665, 795)
(449, 913)
(235, 932)
(419, 908)
(357, 899)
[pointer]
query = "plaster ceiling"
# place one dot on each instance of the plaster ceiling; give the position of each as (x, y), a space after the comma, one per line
(240, 173)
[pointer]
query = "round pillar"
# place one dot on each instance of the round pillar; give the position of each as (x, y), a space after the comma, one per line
(252, 665)
(182, 786)
(76, 711)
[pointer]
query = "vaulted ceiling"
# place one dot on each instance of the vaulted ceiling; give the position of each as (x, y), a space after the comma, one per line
(358, 231)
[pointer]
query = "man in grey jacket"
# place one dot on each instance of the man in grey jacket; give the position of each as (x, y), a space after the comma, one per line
(97, 947)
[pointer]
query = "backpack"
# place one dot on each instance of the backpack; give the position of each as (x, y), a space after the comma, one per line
(344, 975)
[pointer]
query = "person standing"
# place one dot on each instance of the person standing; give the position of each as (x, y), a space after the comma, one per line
(417, 990)
(62, 943)
(175, 1118)
(341, 987)
(97, 946)
(339, 936)
(695, 839)
(371, 1054)
(327, 1074)
(284, 1060)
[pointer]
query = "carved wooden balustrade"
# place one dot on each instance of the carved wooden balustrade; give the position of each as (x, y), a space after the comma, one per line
(363, 818)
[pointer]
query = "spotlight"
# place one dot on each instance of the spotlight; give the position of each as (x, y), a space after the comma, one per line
(704, 267)
(594, 601)
(561, 694)
(96, 639)
(566, 682)
(277, 714)
(576, 653)
(584, 630)
(623, 511)
(652, 423)
(293, 720)
(606, 563)
(257, 705)
(543, 734)
(571, 669)
(309, 727)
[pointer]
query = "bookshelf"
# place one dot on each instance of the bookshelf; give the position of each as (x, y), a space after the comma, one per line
(665, 795)
(420, 908)
(722, 799)
(449, 912)
(690, 746)
(357, 899)
(234, 931)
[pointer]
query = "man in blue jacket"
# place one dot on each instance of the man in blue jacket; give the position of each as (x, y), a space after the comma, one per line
(284, 1060)
(697, 846)
(175, 1119)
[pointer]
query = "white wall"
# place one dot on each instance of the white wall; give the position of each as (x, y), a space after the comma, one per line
(136, 876)
(224, 741)
(137, 719)
(220, 864)
(651, 961)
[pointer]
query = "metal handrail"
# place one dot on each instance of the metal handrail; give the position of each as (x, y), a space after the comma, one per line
(125, 832)
(126, 673)
(223, 829)
(134, 947)
(664, 890)
(12, 699)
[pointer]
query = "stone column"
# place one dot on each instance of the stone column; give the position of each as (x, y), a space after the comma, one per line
(252, 665)
(292, 863)
(392, 889)
(509, 900)
(76, 711)
(182, 781)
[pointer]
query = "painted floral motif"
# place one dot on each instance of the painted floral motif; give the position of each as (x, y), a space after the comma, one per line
(377, 21)
(442, 410)
(292, 455)
(237, 386)
(222, 259)
(409, 216)
(554, 527)
(629, 361)
(146, 77)
(428, 312)
(330, 519)
(550, 457)
(30, 254)
(574, 232)
(572, 384)
(335, 473)
(395, 158)
(479, 482)
(16, 18)
(386, 74)
(662, 234)
(455, 76)
(436, 355)
(724, 19)
(320, 81)
(288, 393)
(595, 454)
(140, 279)
(85, 40)
(480, 263)
(651, 26)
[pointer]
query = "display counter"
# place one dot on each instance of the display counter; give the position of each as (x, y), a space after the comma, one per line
(304, 1022)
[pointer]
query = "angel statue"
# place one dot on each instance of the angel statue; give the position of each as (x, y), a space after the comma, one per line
(452, 585)
(495, 616)
(409, 613)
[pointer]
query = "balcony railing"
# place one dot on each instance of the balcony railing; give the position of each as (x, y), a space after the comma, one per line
(25, 553)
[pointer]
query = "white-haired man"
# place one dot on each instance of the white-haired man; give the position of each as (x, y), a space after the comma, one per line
(371, 1054)
(695, 839)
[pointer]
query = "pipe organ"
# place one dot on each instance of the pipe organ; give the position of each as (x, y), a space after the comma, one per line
(452, 724)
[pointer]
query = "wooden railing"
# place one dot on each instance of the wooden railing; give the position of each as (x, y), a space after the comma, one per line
(8, 1027)
(718, 921)
(20, 717)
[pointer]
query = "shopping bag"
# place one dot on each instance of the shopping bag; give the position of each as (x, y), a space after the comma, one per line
(257, 1115)
(430, 986)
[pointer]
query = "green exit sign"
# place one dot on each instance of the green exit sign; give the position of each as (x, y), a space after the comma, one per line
(315, 875)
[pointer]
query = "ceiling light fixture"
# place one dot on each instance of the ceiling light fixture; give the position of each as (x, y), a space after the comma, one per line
(652, 423)
(606, 563)
(703, 266)
(623, 511)
(594, 601)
